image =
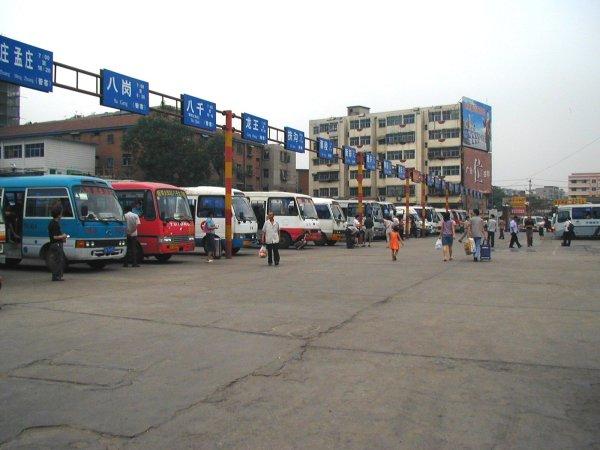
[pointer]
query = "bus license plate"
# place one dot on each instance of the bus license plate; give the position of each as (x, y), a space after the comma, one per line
(109, 250)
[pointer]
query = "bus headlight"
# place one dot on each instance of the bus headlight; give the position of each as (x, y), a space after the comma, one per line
(165, 239)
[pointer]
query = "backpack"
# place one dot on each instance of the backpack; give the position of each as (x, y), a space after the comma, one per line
(570, 227)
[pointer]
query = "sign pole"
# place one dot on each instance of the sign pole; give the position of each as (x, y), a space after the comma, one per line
(447, 206)
(407, 198)
(228, 180)
(359, 178)
(423, 185)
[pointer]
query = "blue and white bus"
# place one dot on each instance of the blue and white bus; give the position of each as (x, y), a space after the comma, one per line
(92, 217)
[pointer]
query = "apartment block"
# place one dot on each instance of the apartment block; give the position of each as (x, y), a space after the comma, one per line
(585, 184)
(549, 192)
(426, 139)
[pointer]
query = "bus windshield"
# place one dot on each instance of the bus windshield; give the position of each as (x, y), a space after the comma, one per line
(307, 208)
(242, 209)
(323, 211)
(97, 203)
(338, 214)
(173, 205)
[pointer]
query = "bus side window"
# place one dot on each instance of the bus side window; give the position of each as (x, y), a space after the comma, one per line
(562, 216)
(149, 209)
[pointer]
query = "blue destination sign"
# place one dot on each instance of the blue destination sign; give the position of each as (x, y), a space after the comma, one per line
(25, 65)
(123, 92)
(370, 162)
(401, 172)
(387, 168)
(198, 113)
(349, 155)
(255, 128)
(294, 140)
(325, 148)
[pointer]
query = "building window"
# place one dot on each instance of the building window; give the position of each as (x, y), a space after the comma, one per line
(266, 154)
(323, 128)
(365, 123)
(127, 159)
(110, 162)
(239, 173)
(238, 148)
(409, 154)
(435, 171)
(326, 176)
(365, 140)
(13, 151)
(381, 123)
(400, 138)
(354, 124)
(393, 191)
(448, 152)
(323, 161)
(451, 170)
(249, 152)
(394, 155)
(284, 157)
(444, 134)
(381, 191)
(366, 191)
(334, 141)
(316, 129)
(283, 175)
(354, 174)
(315, 192)
(323, 192)
(409, 118)
(394, 120)
(435, 116)
(333, 192)
(354, 140)
(381, 141)
(333, 126)
(34, 150)
(110, 138)
(249, 171)
(450, 115)
(265, 173)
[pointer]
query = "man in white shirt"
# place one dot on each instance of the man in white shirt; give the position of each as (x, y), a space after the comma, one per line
(132, 220)
(514, 230)
(492, 226)
(270, 237)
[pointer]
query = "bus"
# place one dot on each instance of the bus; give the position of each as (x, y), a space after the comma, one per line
(295, 213)
(92, 217)
(372, 209)
(205, 199)
(166, 223)
(431, 218)
(331, 219)
(585, 218)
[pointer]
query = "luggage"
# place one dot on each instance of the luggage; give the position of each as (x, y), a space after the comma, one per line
(485, 251)
(218, 248)
(469, 246)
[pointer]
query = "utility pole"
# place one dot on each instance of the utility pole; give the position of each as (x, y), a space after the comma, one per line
(529, 199)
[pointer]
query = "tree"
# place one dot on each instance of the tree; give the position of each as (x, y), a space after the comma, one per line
(215, 150)
(497, 195)
(167, 152)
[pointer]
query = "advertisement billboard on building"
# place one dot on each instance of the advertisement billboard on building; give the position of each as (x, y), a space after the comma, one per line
(477, 170)
(476, 125)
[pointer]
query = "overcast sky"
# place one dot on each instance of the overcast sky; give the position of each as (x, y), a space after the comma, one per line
(537, 63)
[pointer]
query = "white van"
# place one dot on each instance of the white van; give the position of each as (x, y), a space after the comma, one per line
(585, 218)
(371, 208)
(332, 220)
(203, 199)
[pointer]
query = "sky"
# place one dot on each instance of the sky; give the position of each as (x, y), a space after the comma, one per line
(535, 62)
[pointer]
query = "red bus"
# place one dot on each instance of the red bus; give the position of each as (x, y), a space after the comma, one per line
(167, 225)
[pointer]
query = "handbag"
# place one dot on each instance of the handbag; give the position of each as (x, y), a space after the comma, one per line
(438, 244)
(467, 246)
(262, 252)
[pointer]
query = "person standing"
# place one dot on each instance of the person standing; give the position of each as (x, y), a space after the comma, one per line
(369, 230)
(395, 241)
(133, 221)
(270, 237)
(476, 232)
(529, 224)
(447, 234)
(568, 233)
(501, 227)
(361, 232)
(209, 227)
(514, 231)
(492, 226)
(56, 256)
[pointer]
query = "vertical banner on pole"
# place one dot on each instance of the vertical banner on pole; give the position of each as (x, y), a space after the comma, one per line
(228, 178)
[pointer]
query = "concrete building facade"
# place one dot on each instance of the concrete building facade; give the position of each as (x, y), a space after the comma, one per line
(585, 184)
(549, 192)
(426, 139)
(279, 169)
(10, 104)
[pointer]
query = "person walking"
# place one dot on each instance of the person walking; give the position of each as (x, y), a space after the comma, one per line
(514, 231)
(447, 233)
(270, 237)
(132, 221)
(209, 228)
(476, 232)
(369, 224)
(529, 224)
(395, 241)
(492, 226)
(568, 233)
(56, 255)
(501, 227)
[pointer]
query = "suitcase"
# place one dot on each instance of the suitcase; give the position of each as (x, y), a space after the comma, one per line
(485, 251)
(218, 248)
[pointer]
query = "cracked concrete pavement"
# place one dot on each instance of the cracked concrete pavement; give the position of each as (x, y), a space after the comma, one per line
(335, 348)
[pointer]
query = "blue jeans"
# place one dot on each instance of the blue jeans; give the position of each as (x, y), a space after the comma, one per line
(477, 253)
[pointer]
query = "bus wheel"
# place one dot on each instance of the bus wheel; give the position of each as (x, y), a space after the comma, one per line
(97, 265)
(12, 262)
(284, 240)
(321, 241)
(162, 258)
(331, 243)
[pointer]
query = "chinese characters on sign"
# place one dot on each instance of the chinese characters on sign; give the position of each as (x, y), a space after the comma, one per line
(325, 148)
(370, 162)
(255, 128)
(349, 156)
(294, 140)
(387, 168)
(401, 172)
(198, 113)
(25, 65)
(123, 92)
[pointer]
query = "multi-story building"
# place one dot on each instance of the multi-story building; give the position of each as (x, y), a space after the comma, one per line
(549, 192)
(10, 104)
(303, 181)
(426, 139)
(585, 184)
(278, 169)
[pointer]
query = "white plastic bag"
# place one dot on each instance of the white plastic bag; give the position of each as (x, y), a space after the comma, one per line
(438, 244)
(262, 253)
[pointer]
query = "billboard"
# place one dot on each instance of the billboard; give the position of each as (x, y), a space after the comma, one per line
(476, 125)
(477, 170)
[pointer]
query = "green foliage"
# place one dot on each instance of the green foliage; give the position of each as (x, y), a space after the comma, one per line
(166, 151)
(497, 195)
(215, 150)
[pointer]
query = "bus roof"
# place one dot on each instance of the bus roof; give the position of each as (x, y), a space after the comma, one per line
(122, 185)
(50, 181)
(209, 190)
(324, 201)
(266, 194)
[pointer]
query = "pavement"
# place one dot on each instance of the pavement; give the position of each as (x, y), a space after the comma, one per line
(334, 348)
